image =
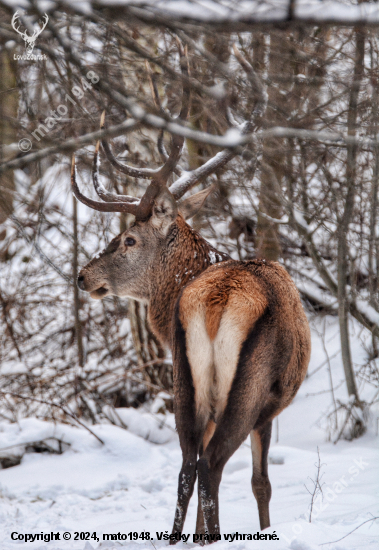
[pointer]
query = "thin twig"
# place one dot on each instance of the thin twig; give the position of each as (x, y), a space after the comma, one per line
(68, 413)
(71, 145)
(330, 375)
(317, 487)
(334, 541)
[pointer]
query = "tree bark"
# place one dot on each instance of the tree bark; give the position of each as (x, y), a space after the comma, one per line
(267, 240)
(8, 132)
(148, 349)
(374, 238)
(343, 226)
(78, 325)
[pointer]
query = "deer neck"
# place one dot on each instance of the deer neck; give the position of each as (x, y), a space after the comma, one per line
(186, 255)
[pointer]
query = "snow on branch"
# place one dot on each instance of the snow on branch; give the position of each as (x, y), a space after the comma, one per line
(233, 16)
(71, 145)
(233, 139)
(229, 15)
(359, 309)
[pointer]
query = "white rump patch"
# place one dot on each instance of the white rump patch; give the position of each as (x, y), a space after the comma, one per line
(213, 364)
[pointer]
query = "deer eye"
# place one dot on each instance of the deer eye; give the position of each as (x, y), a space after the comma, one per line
(129, 241)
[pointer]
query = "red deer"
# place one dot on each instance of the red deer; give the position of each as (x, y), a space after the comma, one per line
(238, 333)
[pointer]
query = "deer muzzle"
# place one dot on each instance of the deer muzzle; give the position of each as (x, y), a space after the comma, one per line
(96, 292)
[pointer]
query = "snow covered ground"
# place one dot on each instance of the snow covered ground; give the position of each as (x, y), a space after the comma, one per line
(129, 483)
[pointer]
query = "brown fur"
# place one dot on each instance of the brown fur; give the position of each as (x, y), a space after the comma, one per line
(189, 257)
(213, 314)
(221, 289)
(210, 430)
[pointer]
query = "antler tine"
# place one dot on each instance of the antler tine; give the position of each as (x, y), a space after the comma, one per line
(100, 190)
(161, 148)
(96, 205)
(184, 67)
(177, 142)
(145, 173)
(258, 87)
(154, 88)
(178, 170)
(190, 179)
(45, 22)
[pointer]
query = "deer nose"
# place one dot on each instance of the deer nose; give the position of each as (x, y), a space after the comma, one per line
(81, 282)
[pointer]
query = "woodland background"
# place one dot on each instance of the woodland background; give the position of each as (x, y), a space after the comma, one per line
(302, 191)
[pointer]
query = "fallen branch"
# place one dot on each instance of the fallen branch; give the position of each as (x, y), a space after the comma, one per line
(68, 413)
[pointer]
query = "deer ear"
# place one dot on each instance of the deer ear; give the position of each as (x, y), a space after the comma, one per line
(189, 207)
(164, 212)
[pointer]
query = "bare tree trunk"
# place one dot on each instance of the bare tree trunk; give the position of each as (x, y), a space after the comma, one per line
(343, 226)
(78, 325)
(267, 240)
(374, 238)
(150, 354)
(8, 132)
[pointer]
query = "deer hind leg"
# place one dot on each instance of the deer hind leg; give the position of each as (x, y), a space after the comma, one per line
(187, 478)
(187, 475)
(226, 347)
(245, 401)
(192, 373)
(260, 443)
(231, 431)
(226, 440)
(208, 434)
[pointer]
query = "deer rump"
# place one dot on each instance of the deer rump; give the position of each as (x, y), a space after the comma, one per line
(240, 329)
(240, 352)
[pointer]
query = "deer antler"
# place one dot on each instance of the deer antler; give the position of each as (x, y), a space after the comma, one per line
(141, 208)
(177, 142)
(115, 206)
(190, 179)
(24, 34)
(44, 23)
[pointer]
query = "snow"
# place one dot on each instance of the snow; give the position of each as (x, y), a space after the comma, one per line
(312, 290)
(129, 483)
(300, 219)
(368, 310)
(207, 168)
(212, 257)
(228, 12)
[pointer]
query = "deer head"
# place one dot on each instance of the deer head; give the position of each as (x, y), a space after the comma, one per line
(133, 261)
(29, 40)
